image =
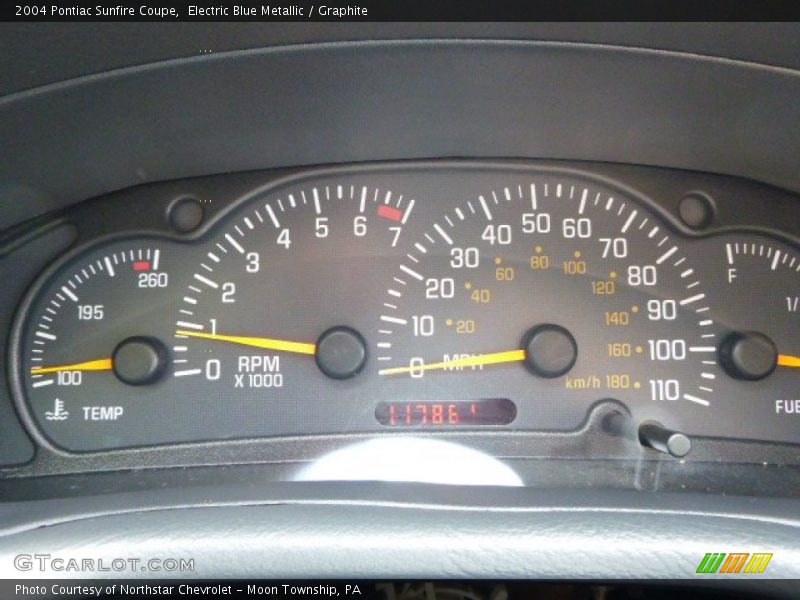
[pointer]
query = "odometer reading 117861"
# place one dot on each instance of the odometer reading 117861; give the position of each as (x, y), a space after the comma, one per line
(555, 293)
(470, 413)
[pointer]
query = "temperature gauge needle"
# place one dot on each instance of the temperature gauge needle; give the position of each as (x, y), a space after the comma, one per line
(101, 364)
(786, 360)
(255, 342)
(480, 360)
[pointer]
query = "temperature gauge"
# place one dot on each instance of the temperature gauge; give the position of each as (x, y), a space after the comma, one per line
(487, 411)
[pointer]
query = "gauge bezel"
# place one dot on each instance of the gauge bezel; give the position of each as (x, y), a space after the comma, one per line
(152, 224)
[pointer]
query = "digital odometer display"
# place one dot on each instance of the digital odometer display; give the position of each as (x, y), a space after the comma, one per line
(483, 412)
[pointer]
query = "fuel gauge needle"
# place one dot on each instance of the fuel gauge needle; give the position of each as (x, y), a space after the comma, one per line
(480, 360)
(255, 342)
(786, 360)
(101, 364)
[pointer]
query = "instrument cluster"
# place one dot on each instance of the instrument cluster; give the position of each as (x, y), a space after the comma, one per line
(424, 297)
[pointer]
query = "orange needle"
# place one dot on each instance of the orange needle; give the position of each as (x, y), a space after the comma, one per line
(256, 342)
(786, 360)
(101, 364)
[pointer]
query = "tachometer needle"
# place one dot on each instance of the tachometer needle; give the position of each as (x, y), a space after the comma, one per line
(786, 360)
(479, 360)
(101, 364)
(256, 342)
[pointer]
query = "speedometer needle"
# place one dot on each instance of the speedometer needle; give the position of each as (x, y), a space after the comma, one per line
(255, 342)
(786, 360)
(480, 360)
(101, 364)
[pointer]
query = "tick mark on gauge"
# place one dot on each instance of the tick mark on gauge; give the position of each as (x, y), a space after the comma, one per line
(69, 293)
(109, 267)
(208, 282)
(696, 400)
(409, 208)
(187, 373)
(691, 299)
(666, 255)
(394, 320)
(628, 222)
(234, 243)
(412, 272)
(442, 233)
(485, 207)
(775, 260)
(272, 216)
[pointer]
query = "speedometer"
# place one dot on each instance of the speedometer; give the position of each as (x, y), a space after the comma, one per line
(554, 293)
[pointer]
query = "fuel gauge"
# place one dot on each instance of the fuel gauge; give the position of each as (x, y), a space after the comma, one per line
(759, 305)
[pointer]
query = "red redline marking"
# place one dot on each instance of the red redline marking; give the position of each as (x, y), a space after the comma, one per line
(389, 212)
(141, 265)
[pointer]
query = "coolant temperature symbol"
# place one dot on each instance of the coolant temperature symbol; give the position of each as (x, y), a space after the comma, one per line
(58, 413)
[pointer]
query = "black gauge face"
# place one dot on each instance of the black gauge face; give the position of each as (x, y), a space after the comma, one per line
(426, 299)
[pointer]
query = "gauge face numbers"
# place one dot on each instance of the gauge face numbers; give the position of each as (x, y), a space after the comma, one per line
(553, 293)
(274, 316)
(758, 303)
(91, 365)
